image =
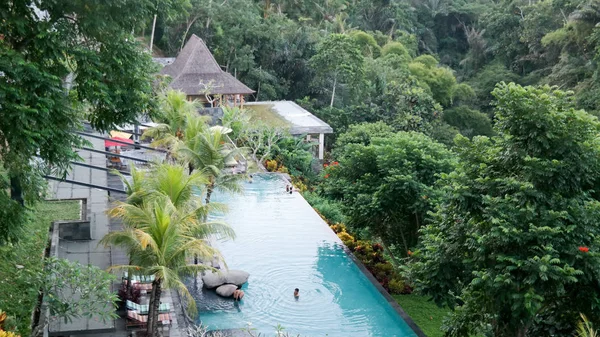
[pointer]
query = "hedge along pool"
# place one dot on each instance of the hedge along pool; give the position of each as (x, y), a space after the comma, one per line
(284, 244)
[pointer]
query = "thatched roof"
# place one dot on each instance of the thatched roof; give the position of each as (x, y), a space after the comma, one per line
(195, 68)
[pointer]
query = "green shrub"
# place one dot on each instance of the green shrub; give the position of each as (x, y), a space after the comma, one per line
(345, 237)
(338, 228)
(395, 48)
(329, 209)
(271, 165)
(397, 286)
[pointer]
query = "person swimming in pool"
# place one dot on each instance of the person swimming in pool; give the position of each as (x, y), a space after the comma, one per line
(296, 293)
(238, 294)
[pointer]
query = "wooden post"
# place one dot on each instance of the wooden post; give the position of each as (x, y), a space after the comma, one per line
(321, 145)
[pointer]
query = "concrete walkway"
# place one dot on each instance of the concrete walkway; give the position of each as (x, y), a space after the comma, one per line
(90, 252)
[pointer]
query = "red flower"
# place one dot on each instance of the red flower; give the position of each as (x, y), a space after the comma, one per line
(335, 163)
(409, 253)
(326, 176)
(584, 249)
(325, 165)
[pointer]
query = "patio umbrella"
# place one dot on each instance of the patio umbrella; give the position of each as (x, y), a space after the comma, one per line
(119, 134)
(109, 143)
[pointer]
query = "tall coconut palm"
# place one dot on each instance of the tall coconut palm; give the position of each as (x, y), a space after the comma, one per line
(135, 186)
(209, 152)
(175, 112)
(160, 240)
(182, 188)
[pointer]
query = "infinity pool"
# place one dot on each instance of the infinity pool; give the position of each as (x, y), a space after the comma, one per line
(284, 244)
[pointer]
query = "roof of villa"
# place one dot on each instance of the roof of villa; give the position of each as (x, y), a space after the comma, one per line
(300, 120)
(195, 68)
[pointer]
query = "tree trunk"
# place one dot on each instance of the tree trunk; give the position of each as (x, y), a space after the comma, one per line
(152, 328)
(128, 290)
(16, 193)
(152, 34)
(267, 7)
(389, 252)
(209, 190)
(257, 92)
(404, 241)
(333, 91)
(187, 29)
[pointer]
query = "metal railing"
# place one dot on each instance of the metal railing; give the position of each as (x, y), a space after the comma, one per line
(120, 141)
(81, 183)
(112, 154)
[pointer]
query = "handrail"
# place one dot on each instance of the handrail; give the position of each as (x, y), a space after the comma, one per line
(99, 168)
(112, 154)
(120, 141)
(81, 183)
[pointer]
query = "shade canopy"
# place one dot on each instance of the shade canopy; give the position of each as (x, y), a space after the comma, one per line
(120, 134)
(111, 142)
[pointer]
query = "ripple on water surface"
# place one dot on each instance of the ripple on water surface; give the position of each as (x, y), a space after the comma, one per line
(284, 244)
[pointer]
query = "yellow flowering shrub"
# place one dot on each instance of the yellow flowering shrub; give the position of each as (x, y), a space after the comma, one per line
(8, 334)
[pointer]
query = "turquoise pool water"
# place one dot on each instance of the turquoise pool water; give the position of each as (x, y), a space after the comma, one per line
(284, 244)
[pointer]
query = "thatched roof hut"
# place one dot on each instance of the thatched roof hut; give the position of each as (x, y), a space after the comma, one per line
(195, 71)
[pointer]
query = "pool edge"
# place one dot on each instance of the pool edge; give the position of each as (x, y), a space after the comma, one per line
(409, 321)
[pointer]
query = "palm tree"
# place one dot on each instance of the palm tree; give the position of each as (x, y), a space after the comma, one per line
(209, 152)
(165, 230)
(175, 113)
(135, 187)
(585, 328)
(160, 240)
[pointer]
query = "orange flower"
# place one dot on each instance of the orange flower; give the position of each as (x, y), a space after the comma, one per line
(335, 163)
(584, 249)
(409, 253)
(325, 165)
(326, 176)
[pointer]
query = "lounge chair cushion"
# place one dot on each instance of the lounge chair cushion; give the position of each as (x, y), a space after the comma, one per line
(137, 317)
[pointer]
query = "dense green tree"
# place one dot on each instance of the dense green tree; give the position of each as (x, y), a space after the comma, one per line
(367, 43)
(386, 181)
(61, 62)
(439, 80)
(514, 248)
(338, 62)
(469, 122)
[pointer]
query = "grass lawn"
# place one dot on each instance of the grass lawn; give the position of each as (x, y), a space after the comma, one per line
(265, 113)
(20, 261)
(426, 314)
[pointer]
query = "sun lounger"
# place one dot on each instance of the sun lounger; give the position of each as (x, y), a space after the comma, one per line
(140, 278)
(143, 309)
(136, 320)
(142, 286)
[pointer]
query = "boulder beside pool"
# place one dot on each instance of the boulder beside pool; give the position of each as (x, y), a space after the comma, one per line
(237, 277)
(213, 280)
(226, 290)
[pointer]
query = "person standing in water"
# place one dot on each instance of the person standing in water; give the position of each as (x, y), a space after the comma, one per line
(238, 294)
(296, 293)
